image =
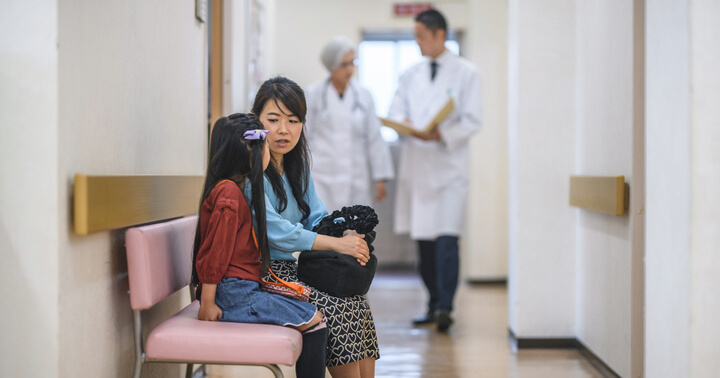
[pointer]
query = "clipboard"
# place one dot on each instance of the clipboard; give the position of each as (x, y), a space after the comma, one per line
(402, 128)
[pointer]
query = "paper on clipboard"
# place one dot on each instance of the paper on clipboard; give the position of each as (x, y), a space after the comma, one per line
(402, 128)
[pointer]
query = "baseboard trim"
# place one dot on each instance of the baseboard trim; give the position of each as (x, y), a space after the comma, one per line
(541, 343)
(596, 362)
(487, 282)
(562, 343)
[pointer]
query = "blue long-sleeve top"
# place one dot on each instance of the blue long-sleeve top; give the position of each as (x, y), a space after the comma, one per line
(286, 232)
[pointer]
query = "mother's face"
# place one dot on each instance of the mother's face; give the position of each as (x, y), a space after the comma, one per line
(285, 128)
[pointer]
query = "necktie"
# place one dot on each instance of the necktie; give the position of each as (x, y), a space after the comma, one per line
(433, 70)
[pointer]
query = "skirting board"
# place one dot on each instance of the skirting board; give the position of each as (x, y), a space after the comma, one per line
(563, 343)
(486, 281)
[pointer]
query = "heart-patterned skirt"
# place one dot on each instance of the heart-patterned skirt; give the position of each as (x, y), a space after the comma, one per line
(352, 334)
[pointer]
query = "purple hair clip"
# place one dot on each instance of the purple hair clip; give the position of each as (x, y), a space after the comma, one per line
(255, 134)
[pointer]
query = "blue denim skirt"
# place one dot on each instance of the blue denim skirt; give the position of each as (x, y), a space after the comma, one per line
(242, 301)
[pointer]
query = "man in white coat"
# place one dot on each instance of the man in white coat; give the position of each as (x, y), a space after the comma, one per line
(343, 131)
(433, 171)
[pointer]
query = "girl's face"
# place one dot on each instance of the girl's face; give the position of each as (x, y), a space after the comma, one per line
(284, 129)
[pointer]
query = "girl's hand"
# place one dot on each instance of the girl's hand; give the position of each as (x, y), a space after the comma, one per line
(355, 246)
(209, 311)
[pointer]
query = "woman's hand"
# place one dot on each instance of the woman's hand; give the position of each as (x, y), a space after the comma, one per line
(352, 245)
(355, 246)
(209, 311)
(380, 191)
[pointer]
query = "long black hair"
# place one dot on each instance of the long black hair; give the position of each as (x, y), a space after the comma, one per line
(295, 162)
(234, 158)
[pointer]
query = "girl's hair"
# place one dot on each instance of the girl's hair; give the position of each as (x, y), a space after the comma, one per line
(295, 162)
(234, 158)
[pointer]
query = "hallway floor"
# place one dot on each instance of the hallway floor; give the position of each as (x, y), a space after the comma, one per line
(476, 346)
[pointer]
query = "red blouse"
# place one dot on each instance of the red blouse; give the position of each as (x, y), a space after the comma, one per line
(227, 247)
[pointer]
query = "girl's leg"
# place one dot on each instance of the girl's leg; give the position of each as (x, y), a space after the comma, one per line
(367, 367)
(315, 320)
(311, 363)
(351, 370)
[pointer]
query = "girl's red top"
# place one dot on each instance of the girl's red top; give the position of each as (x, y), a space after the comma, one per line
(227, 248)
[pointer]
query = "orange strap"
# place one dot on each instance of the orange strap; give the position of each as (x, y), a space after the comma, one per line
(292, 285)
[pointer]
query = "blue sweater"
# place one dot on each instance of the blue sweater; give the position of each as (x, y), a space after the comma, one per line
(286, 233)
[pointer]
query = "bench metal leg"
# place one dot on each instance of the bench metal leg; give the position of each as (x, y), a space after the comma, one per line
(137, 370)
(139, 354)
(189, 371)
(275, 370)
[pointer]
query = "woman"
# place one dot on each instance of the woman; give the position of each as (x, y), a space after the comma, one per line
(293, 209)
(344, 134)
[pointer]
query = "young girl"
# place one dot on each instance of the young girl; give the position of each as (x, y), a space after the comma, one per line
(226, 259)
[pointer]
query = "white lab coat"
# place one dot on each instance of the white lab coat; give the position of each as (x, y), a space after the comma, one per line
(348, 152)
(433, 179)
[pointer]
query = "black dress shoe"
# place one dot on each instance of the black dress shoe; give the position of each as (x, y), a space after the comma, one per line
(425, 319)
(443, 320)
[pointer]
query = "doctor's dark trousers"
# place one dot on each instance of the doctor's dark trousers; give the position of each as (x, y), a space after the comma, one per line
(439, 269)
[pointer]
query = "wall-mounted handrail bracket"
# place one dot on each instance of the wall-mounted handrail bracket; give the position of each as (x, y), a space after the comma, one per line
(605, 194)
(109, 202)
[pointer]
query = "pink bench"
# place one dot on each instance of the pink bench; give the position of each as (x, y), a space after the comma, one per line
(159, 264)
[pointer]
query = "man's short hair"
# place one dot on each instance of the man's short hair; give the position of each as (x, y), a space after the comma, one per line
(432, 19)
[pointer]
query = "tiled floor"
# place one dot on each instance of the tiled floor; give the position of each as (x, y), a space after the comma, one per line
(476, 345)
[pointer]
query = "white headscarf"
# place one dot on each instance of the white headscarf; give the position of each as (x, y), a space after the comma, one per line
(333, 52)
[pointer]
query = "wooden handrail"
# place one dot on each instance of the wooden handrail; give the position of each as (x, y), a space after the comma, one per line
(109, 202)
(605, 194)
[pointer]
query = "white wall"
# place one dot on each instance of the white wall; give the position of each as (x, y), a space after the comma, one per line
(541, 115)
(668, 197)
(28, 188)
(97, 88)
(705, 134)
(604, 148)
(570, 113)
(234, 56)
(132, 90)
(302, 28)
(683, 140)
(485, 241)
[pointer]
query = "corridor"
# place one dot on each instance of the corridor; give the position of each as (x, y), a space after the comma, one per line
(587, 143)
(476, 346)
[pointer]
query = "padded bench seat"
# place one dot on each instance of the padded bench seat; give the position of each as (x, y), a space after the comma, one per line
(159, 264)
(184, 338)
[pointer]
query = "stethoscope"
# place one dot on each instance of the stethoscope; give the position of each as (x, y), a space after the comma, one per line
(324, 114)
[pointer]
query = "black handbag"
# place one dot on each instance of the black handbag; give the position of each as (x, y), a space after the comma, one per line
(338, 274)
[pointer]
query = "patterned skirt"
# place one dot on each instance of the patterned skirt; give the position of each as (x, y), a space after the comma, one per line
(352, 334)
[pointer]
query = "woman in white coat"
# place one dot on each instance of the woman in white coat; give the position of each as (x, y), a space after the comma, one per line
(343, 130)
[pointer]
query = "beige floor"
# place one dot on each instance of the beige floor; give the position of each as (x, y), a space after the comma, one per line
(476, 345)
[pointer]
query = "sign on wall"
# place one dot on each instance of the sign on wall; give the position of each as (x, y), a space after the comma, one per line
(410, 9)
